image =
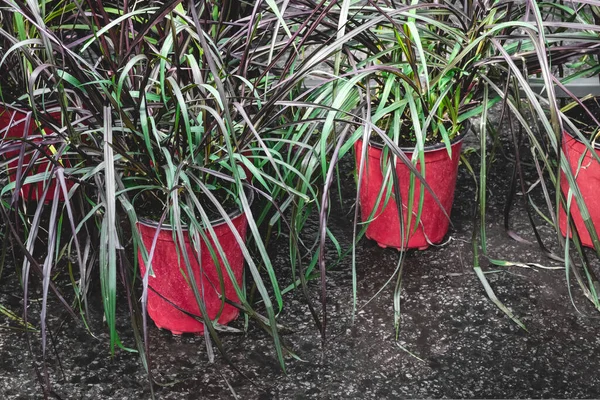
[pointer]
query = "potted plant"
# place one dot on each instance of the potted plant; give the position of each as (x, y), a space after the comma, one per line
(582, 154)
(540, 65)
(422, 119)
(579, 136)
(180, 124)
(413, 86)
(470, 56)
(30, 114)
(170, 131)
(32, 150)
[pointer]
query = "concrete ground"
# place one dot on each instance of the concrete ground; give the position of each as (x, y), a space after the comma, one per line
(453, 342)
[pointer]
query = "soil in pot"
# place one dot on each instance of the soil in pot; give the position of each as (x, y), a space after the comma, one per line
(585, 168)
(441, 172)
(172, 304)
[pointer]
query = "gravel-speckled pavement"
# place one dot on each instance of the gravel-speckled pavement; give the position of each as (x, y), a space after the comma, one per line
(463, 346)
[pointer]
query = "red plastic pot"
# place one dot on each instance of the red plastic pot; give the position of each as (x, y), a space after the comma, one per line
(15, 122)
(441, 172)
(169, 280)
(588, 181)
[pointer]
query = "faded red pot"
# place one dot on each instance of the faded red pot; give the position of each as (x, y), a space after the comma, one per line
(441, 172)
(15, 122)
(170, 282)
(588, 181)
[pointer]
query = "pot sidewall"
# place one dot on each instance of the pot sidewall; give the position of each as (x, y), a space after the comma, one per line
(170, 276)
(441, 173)
(587, 179)
(31, 191)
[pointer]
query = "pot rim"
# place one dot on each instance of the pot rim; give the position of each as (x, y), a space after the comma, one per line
(232, 215)
(568, 132)
(466, 126)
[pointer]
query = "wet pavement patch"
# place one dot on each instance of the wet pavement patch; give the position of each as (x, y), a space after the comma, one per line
(452, 342)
